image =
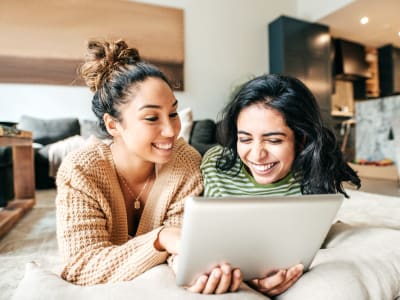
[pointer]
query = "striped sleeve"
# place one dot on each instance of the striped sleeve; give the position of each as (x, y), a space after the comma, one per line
(209, 172)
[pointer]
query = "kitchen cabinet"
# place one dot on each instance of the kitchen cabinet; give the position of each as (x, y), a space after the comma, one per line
(389, 70)
(303, 49)
(372, 83)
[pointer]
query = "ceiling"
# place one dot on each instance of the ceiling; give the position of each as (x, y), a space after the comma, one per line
(382, 28)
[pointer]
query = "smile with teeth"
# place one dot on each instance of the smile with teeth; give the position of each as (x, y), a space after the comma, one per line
(167, 146)
(262, 167)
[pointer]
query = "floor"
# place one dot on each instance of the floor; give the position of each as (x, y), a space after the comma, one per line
(379, 186)
(33, 238)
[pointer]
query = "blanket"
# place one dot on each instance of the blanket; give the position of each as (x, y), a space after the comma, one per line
(360, 259)
(58, 150)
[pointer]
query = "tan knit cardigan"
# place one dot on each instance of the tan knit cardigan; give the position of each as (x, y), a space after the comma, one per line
(92, 227)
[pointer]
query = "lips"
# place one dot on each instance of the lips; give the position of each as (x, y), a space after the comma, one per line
(163, 146)
(262, 168)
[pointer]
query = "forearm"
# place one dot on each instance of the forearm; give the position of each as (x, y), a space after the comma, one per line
(114, 263)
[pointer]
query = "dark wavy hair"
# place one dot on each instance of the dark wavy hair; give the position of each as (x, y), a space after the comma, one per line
(318, 165)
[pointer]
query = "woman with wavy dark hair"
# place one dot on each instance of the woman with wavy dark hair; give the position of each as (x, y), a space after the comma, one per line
(274, 142)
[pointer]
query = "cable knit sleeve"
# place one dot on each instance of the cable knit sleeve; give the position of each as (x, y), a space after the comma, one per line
(187, 182)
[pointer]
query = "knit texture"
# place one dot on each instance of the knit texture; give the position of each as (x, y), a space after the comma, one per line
(92, 227)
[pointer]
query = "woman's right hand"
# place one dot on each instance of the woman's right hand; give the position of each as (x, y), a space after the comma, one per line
(221, 279)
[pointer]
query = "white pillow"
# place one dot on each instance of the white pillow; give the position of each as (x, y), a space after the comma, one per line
(359, 262)
(157, 283)
(186, 116)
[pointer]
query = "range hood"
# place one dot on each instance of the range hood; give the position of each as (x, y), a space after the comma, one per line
(349, 61)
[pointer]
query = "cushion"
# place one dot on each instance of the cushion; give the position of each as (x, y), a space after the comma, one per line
(186, 116)
(203, 135)
(47, 131)
(369, 270)
(90, 127)
(157, 283)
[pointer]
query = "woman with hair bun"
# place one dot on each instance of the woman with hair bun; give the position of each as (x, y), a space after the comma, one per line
(120, 204)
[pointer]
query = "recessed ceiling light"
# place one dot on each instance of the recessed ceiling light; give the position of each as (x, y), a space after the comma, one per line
(364, 20)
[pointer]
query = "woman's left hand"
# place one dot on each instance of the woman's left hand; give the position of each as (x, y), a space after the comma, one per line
(275, 284)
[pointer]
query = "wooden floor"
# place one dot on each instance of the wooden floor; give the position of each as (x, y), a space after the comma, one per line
(379, 186)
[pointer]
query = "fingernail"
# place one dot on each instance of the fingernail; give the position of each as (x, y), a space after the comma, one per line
(203, 279)
(217, 273)
(226, 270)
(300, 267)
(237, 274)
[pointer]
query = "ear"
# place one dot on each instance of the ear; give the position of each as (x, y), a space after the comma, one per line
(112, 125)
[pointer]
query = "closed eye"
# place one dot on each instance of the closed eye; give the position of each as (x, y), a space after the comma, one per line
(275, 141)
(173, 115)
(151, 119)
(244, 139)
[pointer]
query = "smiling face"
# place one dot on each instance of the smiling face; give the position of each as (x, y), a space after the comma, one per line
(265, 144)
(150, 123)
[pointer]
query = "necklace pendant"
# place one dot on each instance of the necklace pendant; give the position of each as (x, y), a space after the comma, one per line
(136, 204)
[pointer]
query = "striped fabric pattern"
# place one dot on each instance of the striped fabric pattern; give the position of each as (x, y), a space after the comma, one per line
(238, 182)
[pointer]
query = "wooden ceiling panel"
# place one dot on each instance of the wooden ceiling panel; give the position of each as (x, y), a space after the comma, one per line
(51, 30)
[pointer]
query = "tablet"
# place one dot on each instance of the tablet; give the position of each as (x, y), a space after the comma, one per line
(256, 234)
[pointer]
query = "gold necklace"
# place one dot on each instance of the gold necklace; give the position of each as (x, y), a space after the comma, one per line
(136, 203)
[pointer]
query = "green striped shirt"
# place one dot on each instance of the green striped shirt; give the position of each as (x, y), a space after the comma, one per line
(238, 182)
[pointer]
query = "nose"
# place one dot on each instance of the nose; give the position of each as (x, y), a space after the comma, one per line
(258, 152)
(167, 129)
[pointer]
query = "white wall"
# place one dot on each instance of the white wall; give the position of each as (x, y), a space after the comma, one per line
(44, 101)
(226, 42)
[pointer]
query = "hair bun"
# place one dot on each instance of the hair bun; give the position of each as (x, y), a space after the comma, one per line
(103, 59)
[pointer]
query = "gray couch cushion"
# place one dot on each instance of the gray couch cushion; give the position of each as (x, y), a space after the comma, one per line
(203, 135)
(91, 127)
(47, 131)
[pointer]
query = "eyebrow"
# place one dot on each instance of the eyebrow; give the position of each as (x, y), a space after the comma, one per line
(264, 134)
(157, 106)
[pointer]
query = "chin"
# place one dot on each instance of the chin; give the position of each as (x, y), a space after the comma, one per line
(162, 159)
(264, 181)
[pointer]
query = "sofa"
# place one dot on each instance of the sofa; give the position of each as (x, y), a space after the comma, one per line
(49, 133)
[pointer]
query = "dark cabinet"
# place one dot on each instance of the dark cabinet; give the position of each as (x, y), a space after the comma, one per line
(389, 70)
(303, 50)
